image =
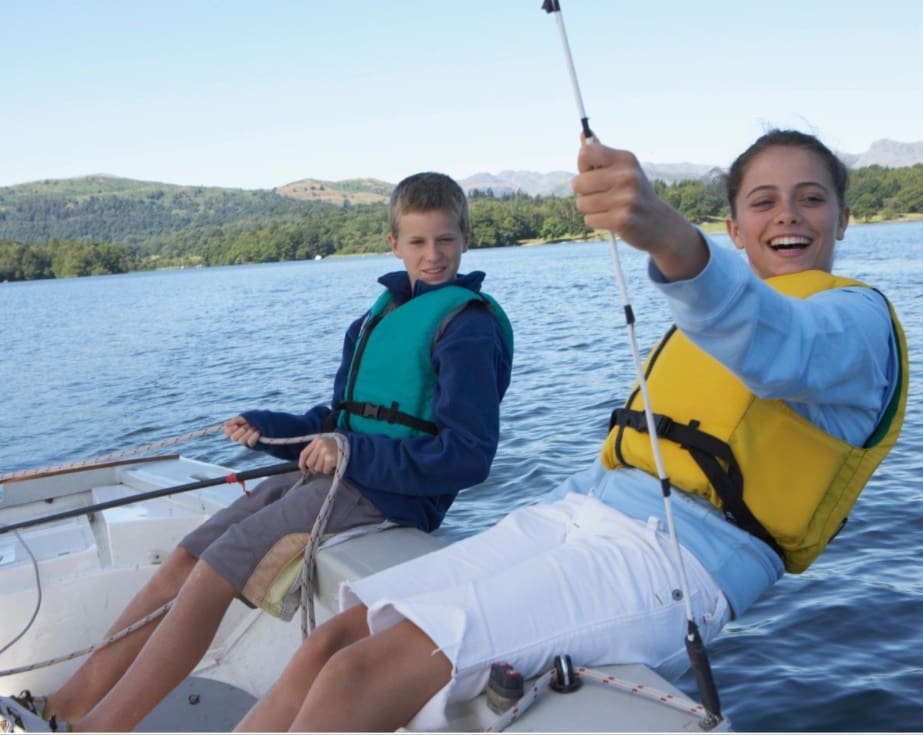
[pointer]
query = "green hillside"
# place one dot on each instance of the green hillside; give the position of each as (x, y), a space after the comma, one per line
(100, 224)
(145, 214)
(350, 191)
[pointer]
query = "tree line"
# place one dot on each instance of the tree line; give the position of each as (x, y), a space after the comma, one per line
(350, 229)
(298, 233)
(62, 259)
(132, 213)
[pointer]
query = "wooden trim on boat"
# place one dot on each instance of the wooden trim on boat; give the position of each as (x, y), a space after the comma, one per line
(101, 465)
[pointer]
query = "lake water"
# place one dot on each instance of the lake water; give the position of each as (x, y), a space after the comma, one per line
(94, 365)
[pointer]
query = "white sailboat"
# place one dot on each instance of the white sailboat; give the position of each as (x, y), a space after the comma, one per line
(76, 574)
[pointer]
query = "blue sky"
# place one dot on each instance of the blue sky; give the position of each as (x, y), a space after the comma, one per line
(259, 94)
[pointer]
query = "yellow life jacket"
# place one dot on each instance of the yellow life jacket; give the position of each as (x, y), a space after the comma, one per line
(801, 482)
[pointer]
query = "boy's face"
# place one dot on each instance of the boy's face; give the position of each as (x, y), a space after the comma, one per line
(430, 244)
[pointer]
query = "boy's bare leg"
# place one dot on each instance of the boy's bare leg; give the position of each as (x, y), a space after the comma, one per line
(276, 709)
(376, 684)
(99, 673)
(171, 652)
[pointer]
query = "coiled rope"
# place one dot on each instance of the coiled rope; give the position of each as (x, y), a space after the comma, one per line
(309, 568)
(308, 571)
(308, 580)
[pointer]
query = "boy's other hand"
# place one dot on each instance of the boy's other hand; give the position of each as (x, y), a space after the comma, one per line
(319, 456)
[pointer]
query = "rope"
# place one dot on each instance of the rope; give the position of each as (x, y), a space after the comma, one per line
(105, 458)
(543, 682)
(540, 686)
(309, 568)
(38, 599)
(680, 703)
(102, 644)
(289, 439)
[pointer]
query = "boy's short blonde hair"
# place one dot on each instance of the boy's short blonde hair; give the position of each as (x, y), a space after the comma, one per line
(424, 192)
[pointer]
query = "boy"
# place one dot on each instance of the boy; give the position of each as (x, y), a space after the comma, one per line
(417, 395)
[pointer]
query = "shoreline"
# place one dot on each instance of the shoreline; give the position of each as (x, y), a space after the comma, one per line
(598, 236)
(712, 228)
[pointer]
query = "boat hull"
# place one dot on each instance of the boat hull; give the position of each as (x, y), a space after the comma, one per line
(91, 565)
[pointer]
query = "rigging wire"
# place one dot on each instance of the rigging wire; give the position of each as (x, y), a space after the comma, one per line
(694, 645)
(38, 598)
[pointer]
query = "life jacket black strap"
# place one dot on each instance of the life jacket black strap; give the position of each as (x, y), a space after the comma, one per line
(706, 450)
(391, 414)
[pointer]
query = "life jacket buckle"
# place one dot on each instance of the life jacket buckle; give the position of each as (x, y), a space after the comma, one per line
(371, 411)
(663, 424)
(381, 413)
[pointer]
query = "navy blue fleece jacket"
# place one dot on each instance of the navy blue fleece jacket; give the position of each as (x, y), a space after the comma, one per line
(413, 481)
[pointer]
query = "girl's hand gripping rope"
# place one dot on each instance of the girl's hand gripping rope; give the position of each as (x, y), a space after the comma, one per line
(614, 194)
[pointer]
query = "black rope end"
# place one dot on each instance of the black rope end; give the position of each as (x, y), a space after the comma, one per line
(698, 656)
(585, 124)
(665, 488)
(551, 6)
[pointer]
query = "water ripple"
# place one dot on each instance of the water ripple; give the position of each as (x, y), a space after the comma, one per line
(143, 357)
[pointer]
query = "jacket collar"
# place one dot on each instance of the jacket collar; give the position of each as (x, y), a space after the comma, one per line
(398, 283)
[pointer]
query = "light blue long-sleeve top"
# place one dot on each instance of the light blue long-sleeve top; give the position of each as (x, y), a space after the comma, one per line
(831, 357)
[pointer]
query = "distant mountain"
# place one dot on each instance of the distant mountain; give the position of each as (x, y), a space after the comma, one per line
(557, 183)
(145, 213)
(352, 191)
(673, 172)
(891, 153)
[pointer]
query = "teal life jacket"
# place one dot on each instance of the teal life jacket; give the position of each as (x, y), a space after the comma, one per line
(389, 389)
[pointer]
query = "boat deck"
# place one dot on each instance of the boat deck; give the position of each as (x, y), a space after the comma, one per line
(91, 565)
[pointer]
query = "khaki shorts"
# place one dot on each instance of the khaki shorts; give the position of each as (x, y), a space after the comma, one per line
(251, 541)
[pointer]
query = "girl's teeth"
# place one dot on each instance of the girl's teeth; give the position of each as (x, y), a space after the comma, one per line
(789, 242)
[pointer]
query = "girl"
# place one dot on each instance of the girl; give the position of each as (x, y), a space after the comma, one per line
(778, 373)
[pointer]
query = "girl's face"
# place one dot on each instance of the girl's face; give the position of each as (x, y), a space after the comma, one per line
(788, 216)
